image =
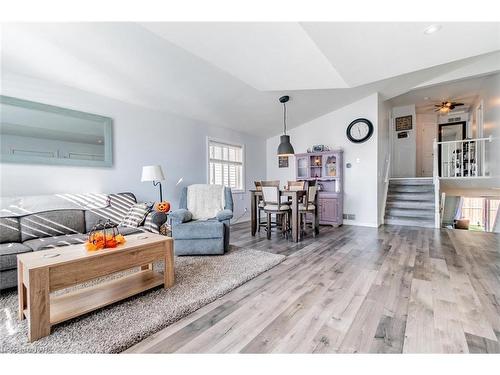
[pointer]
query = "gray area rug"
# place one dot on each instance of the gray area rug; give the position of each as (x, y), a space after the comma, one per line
(199, 281)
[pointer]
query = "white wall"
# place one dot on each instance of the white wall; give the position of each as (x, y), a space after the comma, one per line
(140, 137)
(360, 181)
(404, 150)
(490, 95)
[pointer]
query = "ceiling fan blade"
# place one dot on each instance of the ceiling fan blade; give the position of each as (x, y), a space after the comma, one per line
(457, 104)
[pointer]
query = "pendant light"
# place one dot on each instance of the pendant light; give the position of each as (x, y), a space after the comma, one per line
(285, 148)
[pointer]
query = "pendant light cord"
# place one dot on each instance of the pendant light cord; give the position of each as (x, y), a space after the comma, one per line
(284, 118)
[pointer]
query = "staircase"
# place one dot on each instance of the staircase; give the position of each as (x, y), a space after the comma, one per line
(410, 202)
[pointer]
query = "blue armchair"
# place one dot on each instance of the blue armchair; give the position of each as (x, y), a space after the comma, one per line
(201, 237)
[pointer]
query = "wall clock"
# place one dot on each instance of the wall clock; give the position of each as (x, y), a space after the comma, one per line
(360, 130)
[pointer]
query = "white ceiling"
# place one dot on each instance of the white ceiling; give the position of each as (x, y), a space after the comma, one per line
(265, 55)
(368, 52)
(464, 91)
(232, 74)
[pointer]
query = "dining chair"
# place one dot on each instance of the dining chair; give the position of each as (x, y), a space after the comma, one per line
(260, 206)
(308, 207)
(276, 183)
(273, 206)
(296, 185)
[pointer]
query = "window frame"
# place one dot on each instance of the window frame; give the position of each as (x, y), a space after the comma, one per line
(243, 161)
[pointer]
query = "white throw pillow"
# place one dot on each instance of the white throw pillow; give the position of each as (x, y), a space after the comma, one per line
(136, 215)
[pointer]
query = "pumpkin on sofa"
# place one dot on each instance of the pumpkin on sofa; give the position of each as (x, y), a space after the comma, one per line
(162, 206)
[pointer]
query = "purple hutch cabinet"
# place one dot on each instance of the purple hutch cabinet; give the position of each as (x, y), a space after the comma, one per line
(326, 168)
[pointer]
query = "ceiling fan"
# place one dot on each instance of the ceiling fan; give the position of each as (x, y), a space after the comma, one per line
(446, 106)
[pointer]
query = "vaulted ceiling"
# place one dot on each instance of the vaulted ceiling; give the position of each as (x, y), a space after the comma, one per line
(231, 74)
(465, 91)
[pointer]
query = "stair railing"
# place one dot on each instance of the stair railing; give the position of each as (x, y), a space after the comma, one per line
(464, 158)
(435, 180)
(461, 159)
(386, 184)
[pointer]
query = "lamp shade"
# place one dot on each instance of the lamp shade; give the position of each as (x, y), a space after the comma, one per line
(152, 173)
(285, 148)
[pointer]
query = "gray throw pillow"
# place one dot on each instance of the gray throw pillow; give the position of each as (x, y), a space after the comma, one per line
(136, 215)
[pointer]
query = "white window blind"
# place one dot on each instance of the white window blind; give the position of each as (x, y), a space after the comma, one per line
(225, 164)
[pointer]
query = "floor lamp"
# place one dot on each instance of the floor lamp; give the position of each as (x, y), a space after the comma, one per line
(153, 173)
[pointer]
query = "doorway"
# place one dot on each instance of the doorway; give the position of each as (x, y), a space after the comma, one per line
(426, 133)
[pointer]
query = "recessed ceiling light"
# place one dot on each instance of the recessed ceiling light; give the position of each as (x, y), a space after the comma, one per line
(432, 29)
(426, 98)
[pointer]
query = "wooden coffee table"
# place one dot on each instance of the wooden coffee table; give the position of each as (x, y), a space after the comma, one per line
(42, 272)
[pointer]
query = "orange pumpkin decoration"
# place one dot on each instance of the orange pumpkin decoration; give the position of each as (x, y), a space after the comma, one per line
(162, 206)
(96, 241)
(103, 236)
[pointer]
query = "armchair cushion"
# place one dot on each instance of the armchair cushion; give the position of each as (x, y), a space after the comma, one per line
(224, 215)
(180, 216)
(198, 229)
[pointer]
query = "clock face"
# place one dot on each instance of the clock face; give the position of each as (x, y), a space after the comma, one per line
(359, 130)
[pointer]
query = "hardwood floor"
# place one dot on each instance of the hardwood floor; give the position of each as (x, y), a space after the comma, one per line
(354, 289)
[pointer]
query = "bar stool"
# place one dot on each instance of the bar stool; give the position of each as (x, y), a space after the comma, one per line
(273, 206)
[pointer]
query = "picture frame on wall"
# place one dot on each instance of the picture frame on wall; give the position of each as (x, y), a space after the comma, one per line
(282, 161)
(404, 123)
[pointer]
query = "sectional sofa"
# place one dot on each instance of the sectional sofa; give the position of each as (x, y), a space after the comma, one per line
(34, 231)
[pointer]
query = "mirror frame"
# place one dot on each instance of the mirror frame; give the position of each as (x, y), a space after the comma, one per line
(108, 134)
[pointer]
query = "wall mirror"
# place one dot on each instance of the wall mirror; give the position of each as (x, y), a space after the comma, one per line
(33, 132)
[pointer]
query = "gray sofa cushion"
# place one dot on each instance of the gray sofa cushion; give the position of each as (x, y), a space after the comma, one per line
(119, 206)
(8, 279)
(199, 229)
(10, 230)
(51, 242)
(52, 223)
(130, 230)
(8, 254)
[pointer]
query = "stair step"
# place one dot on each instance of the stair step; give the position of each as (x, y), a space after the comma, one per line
(411, 204)
(411, 188)
(411, 181)
(391, 197)
(415, 213)
(408, 221)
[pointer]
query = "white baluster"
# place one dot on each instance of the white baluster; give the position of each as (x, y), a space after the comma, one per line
(462, 159)
(469, 169)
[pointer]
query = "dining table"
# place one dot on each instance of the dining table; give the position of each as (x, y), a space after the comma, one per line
(295, 195)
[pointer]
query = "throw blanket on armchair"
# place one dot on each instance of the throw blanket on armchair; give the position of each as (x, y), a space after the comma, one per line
(204, 201)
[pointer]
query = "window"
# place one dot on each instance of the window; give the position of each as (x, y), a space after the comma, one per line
(225, 164)
(472, 209)
(481, 212)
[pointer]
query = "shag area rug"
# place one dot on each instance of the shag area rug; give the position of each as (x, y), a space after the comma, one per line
(199, 281)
